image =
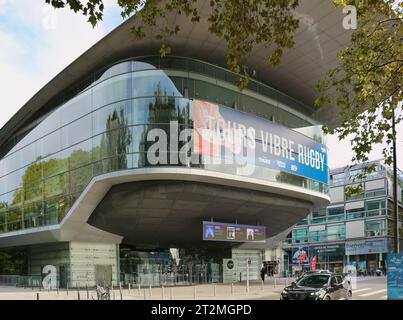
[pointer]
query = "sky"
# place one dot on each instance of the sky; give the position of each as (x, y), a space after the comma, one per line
(37, 42)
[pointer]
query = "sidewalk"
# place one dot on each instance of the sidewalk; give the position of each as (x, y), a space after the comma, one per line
(237, 291)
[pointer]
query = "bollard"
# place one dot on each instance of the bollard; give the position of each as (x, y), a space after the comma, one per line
(194, 292)
(262, 285)
(162, 288)
(37, 296)
(67, 289)
(78, 295)
(57, 290)
(232, 289)
(151, 293)
(215, 290)
(88, 293)
(129, 287)
(114, 297)
(274, 282)
(120, 291)
(139, 290)
(145, 294)
(172, 293)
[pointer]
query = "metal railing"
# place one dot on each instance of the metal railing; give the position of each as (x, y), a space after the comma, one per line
(21, 281)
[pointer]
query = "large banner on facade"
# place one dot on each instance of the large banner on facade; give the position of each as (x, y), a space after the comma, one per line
(223, 132)
(366, 247)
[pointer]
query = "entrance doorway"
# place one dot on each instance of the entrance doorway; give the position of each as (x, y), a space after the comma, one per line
(103, 275)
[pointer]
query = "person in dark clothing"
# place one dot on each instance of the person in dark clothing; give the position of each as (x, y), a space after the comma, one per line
(262, 273)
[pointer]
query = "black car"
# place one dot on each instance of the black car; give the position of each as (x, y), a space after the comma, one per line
(318, 286)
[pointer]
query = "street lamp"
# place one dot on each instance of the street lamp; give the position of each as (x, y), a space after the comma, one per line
(395, 200)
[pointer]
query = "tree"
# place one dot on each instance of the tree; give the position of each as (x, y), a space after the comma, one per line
(366, 86)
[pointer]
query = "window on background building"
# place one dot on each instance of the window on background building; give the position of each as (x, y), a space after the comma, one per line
(355, 213)
(375, 228)
(375, 208)
(354, 173)
(375, 193)
(319, 213)
(300, 235)
(303, 222)
(336, 232)
(355, 196)
(335, 214)
(335, 211)
(319, 216)
(317, 235)
(338, 178)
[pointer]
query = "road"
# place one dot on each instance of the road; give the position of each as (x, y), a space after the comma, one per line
(372, 288)
(368, 288)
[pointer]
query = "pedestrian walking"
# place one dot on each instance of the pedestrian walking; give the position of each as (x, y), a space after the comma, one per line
(262, 273)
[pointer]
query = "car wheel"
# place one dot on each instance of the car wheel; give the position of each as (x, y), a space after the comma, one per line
(327, 297)
(349, 295)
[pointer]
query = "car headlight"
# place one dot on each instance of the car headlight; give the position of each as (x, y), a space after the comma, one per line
(284, 292)
(321, 293)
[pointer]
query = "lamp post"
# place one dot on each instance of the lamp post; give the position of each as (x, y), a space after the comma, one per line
(395, 199)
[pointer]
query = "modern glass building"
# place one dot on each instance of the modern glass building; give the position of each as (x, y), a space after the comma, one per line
(358, 230)
(79, 190)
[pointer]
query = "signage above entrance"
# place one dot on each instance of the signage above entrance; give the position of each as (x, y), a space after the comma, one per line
(215, 231)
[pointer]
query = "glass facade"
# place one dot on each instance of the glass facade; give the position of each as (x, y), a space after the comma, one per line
(103, 128)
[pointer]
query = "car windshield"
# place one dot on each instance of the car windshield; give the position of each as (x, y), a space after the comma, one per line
(313, 280)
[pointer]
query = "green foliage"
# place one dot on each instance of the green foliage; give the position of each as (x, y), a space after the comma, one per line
(12, 262)
(366, 86)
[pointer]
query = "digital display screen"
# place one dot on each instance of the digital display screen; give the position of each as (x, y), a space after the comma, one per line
(215, 231)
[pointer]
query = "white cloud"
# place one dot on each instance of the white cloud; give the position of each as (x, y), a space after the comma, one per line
(32, 54)
(2, 6)
(340, 153)
(11, 48)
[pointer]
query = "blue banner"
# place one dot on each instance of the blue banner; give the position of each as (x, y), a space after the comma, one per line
(225, 132)
(394, 263)
(366, 247)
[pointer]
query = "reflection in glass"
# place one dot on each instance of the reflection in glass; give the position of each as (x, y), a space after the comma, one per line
(104, 129)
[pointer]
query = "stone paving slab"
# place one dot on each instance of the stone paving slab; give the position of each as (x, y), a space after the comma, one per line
(207, 291)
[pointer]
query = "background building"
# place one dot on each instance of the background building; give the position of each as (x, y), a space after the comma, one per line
(357, 230)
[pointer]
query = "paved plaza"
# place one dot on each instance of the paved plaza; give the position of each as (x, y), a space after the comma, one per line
(368, 288)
